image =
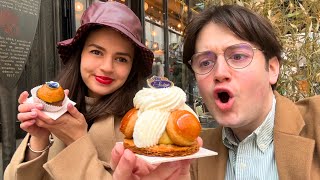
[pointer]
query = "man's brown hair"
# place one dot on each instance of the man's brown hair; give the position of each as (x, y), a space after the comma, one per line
(243, 22)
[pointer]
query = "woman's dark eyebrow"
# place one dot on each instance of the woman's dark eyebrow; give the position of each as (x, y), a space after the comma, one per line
(97, 46)
(103, 49)
(124, 54)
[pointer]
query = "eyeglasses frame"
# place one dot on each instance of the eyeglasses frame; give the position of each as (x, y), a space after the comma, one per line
(253, 48)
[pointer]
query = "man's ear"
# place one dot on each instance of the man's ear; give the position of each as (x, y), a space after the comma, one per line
(274, 69)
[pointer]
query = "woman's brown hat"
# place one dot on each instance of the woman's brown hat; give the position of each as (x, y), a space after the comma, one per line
(117, 16)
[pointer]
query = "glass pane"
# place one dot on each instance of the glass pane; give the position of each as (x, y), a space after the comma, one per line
(80, 6)
(178, 15)
(155, 34)
(154, 41)
(175, 58)
(177, 18)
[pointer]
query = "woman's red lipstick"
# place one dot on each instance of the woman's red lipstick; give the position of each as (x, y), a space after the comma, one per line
(104, 80)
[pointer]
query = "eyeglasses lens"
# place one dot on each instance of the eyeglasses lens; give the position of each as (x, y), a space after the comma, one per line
(237, 56)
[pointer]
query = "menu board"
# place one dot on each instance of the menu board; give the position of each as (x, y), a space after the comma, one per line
(18, 23)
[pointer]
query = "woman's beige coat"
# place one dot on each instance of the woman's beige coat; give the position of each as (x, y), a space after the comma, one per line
(87, 158)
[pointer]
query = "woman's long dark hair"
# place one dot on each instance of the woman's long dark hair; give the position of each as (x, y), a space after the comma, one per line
(116, 103)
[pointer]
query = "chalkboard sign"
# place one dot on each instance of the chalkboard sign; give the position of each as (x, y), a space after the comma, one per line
(18, 23)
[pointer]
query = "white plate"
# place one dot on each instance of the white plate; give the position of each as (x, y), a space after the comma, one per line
(155, 160)
(57, 114)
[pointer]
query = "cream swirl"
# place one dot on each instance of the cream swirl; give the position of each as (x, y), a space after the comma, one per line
(165, 99)
(149, 127)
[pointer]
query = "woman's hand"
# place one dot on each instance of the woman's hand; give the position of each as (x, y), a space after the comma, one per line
(28, 113)
(68, 128)
(27, 116)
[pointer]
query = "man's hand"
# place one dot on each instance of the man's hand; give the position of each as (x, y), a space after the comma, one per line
(127, 166)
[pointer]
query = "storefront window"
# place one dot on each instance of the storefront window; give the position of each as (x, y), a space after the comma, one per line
(175, 58)
(156, 41)
(80, 6)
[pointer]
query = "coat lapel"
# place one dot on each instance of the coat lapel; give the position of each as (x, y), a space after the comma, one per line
(57, 147)
(103, 136)
(214, 165)
(293, 153)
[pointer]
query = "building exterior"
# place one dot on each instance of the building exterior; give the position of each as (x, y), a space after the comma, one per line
(163, 22)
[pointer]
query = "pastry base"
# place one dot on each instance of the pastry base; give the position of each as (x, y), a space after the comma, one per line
(162, 150)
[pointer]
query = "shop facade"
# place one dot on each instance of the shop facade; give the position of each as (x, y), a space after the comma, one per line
(163, 22)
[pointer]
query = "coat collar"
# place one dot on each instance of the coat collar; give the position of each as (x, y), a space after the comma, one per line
(287, 118)
(293, 153)
(213, 165)
(102, 134)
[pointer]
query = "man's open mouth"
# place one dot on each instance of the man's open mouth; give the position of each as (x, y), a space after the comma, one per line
(224, 97)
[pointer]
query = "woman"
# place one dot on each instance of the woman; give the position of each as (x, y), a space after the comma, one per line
(105, 65)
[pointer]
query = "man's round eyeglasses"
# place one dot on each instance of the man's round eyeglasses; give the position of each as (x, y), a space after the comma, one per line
(237, 56)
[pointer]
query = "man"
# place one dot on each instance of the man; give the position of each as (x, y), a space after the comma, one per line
(235, 57)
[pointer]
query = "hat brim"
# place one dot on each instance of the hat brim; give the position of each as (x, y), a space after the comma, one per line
(66, 47)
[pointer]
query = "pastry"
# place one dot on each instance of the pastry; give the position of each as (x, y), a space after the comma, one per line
(161, 124)
(51, 93)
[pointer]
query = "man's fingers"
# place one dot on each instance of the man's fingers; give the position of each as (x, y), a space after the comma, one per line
(116, 154)
(23, 97)
(143, 168)
(125, 167)
(172, 170)
(185, 168)
(200, 142)
(165, 171)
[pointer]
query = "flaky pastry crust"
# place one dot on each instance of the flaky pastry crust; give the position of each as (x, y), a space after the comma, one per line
(162, 150)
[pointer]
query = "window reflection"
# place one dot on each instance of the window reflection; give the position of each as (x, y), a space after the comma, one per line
(79, 6)
(154, 22)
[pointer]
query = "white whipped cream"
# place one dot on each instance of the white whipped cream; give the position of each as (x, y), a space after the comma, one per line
(166, 99)
(155, 106)
(149, 127)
